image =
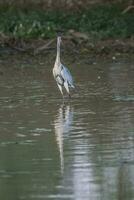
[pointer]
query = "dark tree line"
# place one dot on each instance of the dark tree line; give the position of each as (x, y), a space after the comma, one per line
(68, 4)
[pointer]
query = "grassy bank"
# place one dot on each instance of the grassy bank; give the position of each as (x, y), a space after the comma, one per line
(100, 22)
(103, 28)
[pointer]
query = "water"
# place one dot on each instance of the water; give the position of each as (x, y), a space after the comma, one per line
(77, 149)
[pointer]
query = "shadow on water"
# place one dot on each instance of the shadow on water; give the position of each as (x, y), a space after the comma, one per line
(79, 149)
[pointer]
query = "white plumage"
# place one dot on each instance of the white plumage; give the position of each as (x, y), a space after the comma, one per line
(61, 73)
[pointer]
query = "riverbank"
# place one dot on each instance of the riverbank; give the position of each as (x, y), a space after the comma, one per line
(102, 30)
(16, 65)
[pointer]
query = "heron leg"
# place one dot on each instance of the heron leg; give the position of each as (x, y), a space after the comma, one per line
(66, 87)
(60, 88)
(69, 96)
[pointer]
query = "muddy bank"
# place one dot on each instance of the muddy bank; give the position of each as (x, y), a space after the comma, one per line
(33, 57)
(81, 44)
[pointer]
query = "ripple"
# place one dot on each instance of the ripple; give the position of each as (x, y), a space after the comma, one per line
(39, 130)
(124, 98)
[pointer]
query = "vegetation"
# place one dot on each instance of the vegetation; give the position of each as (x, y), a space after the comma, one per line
(101, 22)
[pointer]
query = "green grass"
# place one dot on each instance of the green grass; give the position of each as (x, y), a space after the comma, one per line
(100, 22)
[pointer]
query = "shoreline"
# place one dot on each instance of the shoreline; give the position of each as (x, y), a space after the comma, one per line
(74, 45)
(15, 63)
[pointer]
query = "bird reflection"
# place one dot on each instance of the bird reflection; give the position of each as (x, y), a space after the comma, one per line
(62, 125)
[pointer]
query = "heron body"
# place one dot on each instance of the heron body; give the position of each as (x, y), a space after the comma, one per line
(61, 73)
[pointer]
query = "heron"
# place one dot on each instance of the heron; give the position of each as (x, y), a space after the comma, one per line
(61, 73)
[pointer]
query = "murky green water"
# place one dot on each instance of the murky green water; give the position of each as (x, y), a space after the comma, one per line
(79, 149)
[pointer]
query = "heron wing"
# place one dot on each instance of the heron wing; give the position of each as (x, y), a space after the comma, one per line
(66, 75)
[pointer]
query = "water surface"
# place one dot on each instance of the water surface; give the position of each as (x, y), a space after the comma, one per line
(77, 149)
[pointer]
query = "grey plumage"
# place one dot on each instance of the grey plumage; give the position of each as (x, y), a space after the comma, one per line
(61, 73)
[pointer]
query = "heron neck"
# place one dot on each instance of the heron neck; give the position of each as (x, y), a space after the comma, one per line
(58, 53)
